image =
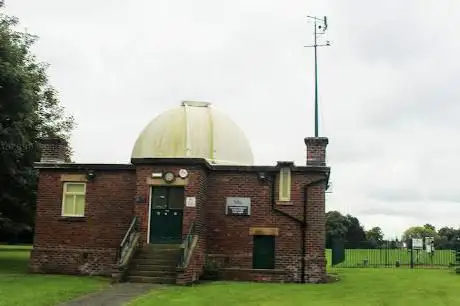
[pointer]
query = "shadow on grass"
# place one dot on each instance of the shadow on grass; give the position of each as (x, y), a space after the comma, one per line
(14, 260)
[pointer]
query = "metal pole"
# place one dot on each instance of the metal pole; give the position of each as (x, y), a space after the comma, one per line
(316, 85)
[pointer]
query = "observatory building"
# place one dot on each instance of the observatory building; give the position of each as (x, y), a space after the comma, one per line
(190, 205)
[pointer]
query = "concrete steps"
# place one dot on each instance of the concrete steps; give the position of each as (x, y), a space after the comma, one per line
(155, 263)
(151, 280)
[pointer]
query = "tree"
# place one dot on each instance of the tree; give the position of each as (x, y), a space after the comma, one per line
(447, 238)
(419, 232)
(343, 227)
(355, 235)
(29, 110)
(375, 236)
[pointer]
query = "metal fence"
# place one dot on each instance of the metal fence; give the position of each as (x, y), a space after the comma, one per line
(388, 254)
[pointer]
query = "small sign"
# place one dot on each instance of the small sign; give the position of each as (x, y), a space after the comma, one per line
(417, 243)
(190, 201)
(238, 206)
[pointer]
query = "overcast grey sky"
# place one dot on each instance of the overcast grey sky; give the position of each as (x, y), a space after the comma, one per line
(389, 87)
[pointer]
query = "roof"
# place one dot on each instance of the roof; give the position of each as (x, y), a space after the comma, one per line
(195, 129)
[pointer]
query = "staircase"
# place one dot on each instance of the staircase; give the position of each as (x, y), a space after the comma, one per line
(155, 263)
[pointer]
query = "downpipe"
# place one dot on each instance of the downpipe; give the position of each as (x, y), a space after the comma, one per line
(303, 223)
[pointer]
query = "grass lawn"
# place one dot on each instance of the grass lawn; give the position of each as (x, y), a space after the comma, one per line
(19, 288)
(357, 287)
(388, 257)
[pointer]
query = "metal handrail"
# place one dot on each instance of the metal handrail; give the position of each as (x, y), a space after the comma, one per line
(128, 238)
(186, 245)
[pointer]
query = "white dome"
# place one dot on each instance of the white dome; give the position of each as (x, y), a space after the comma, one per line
(194, 130)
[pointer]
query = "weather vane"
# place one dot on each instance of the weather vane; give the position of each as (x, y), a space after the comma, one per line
(320, 25)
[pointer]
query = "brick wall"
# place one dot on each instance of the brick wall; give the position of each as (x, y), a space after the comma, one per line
(316, 150)
(229, 242)
(53, 150)
(85, 245)
(89, 246)
(196, 187)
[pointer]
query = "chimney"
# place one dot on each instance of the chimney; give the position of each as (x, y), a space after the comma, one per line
(316, 150)
(53, 150)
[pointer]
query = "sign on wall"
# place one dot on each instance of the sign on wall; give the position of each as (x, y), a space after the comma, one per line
(236, 206)
(190, 201)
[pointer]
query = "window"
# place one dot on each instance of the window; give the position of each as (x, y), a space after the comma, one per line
(285, 184)
(263, 253)
(73, 199)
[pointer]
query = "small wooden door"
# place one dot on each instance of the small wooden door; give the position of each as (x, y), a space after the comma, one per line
(166, 214)
(263, 256)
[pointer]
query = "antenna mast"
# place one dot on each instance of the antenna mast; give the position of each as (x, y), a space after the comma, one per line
(320, 25)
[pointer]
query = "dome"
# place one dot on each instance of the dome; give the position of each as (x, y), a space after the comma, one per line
(194, 130)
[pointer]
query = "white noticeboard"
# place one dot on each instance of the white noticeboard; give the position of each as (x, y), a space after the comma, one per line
(190, 201)
(417, 243)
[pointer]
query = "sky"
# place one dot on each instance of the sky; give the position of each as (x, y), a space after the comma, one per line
(388, 87)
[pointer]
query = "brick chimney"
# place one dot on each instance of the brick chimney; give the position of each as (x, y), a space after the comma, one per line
(316, 150)
(53, 150)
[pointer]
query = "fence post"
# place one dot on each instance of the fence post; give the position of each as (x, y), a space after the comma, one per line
(411, 254)
(457, 256)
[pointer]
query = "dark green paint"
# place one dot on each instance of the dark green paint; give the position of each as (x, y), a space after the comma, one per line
(166, 215)
(263, 256)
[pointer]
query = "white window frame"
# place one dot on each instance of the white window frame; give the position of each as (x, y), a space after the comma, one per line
(285, 178)
(64, 193)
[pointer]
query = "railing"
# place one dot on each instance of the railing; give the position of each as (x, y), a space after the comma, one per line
(127, 242)
(187, 246)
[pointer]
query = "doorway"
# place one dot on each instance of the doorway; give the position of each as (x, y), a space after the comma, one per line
(166, 214)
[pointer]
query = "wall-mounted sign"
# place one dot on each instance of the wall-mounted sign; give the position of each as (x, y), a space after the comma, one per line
(190, 201)
(157, 175)
(235, 206)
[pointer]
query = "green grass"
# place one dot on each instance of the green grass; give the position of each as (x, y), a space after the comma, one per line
(357, 287)
(19, 288)
(388, 257)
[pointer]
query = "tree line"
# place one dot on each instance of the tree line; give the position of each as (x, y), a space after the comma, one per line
(348, 229)
(29, 110)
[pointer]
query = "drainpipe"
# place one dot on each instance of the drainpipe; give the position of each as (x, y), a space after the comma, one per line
(303, 223)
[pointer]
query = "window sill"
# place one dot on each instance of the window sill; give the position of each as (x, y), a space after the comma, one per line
(73, 219)
(285, 203)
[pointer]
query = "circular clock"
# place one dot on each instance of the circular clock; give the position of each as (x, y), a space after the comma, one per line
(169, 177)
(183, 173)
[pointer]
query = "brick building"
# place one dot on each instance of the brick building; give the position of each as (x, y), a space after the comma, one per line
(190, 201)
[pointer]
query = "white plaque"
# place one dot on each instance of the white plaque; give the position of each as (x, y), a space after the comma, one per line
(417, 243)
(190, 201)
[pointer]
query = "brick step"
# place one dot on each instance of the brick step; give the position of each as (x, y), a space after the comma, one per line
(160, 247)
(152, 280)
(155, 261)
(158, 273)
(147, 267)
(169, 259)
(158, 254)
(165, 253)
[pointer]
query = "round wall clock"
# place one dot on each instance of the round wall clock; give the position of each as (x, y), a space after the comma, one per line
(183, 173)
(169, 177)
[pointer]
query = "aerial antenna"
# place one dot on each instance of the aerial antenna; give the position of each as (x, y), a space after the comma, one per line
(320, 27)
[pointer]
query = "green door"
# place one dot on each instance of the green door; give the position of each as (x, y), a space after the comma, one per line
(263, 256)
(167, 204)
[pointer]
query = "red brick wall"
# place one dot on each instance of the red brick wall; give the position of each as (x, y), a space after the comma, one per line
(90, 246)
(85, 245)
(196, 187)
(228, 237)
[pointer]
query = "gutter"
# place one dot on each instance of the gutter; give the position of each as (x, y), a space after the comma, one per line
(303, 223)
